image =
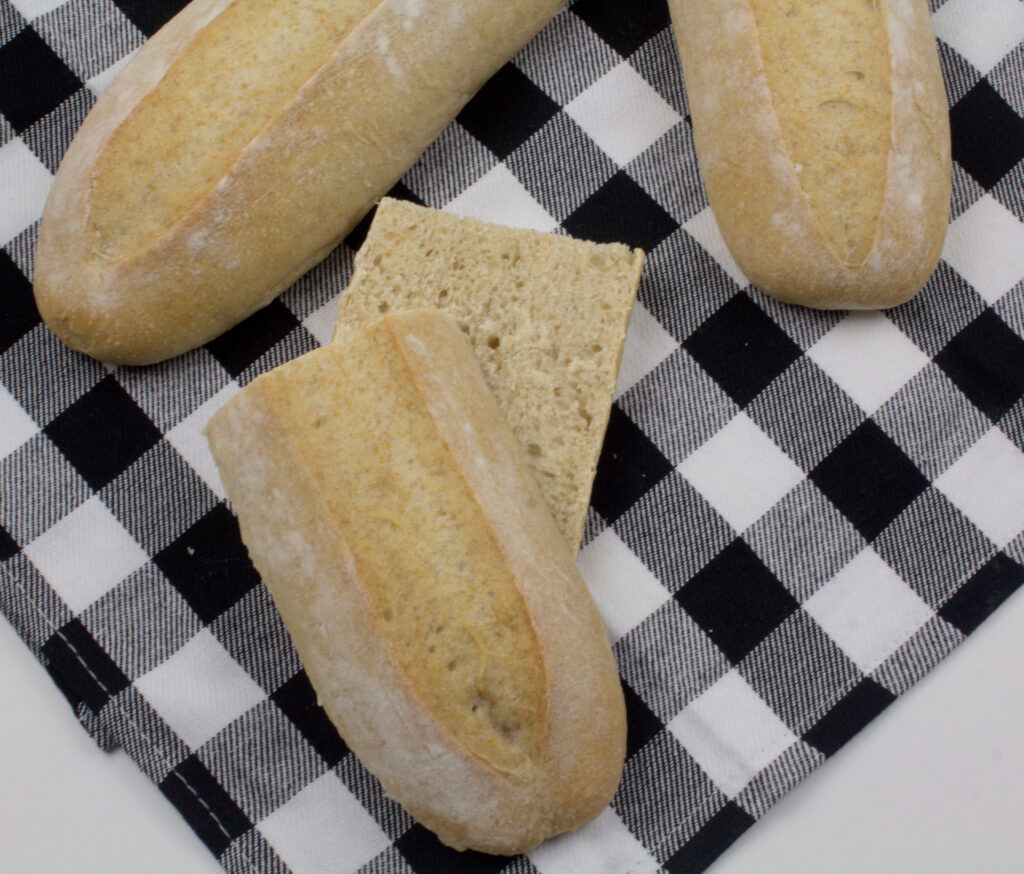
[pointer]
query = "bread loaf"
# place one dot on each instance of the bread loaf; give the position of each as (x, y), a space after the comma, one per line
(546, 317)
(822, 134)
(239, 146)
(437, 610)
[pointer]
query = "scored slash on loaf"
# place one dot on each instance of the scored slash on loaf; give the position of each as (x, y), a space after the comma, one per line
(546, 316)
(435, 606)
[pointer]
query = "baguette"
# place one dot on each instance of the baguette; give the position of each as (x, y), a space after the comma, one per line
(239, 146)
(437, 611)
(546, 317)
(822, 134)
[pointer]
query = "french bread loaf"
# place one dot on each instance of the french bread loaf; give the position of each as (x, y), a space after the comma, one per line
(239, 146)
(438, 613)
(822, 134)
(546, 317)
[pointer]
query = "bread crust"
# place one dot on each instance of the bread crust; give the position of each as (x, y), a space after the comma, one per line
(754, 188)
(291, 194)
(313, 572)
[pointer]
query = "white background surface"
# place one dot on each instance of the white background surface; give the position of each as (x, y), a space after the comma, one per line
(935, 784)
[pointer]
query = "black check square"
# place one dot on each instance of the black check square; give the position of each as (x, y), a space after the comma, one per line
(981, 594)
(209, 564)
(424, 852)
(487, 118)
(205, 805)
(624, 26)
(150, 15)
(239, 347)
(298, 702)
(16, 303)
(742, 348)
(629, 466)
(862, 704)
(103, 433)
(33, 80)
(869, 478)
(711, 841)
(81, 668)
(986, 361)
(988, 136)
(736, 600)
(620, 211)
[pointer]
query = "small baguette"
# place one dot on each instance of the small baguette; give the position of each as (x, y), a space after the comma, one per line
(546, 316)
(822, 134)
(239, 146)
(437, 610)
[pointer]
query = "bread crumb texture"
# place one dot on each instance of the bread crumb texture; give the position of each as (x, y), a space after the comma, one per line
(160, 162)
(546, 317)
(831, 86)
(438, 584)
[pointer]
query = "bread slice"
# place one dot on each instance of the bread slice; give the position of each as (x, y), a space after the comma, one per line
(437, 610)
(545, 315)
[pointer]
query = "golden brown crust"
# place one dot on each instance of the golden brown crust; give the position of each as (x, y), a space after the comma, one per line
(754, 187)
(280, 473)
(289, 196)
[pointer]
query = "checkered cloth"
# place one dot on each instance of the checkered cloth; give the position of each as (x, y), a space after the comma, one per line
(796, 515)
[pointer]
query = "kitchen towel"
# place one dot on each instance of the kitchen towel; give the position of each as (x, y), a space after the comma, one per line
(797, 514)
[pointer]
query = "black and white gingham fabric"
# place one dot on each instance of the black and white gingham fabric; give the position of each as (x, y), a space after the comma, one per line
(797, 514)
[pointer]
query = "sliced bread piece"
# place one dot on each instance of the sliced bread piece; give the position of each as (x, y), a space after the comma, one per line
(546, 317)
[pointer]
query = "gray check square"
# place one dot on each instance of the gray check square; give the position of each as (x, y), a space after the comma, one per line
(391, 817)
(804, 326)
(799, 672)
(141, 622)
(6, 131)
(146, 737)
(262, 760)
(669, 660)
(251, 630)
(561, 166)
(50, 137)
(29, 603)
(945, 306)
(321, 285)
(566, 57)
(932, 421)
(934, 547)
(463, 158)
(930, 645)
(1005, 78)
(674, 531)
(158, 498)
(28, 368)
(679, 406)
(39, 469)
(664, 797)
(22, 250)
(251, 852)
(966, 191)
(804, 540)
(778, 778)
(1010, 308)
(11, 22)
(391, 861)
(172, 390)
(89, 35)
(805, 413)
(959, 75)
(680, 192)
(657, 60)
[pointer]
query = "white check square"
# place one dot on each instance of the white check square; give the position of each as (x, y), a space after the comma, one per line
(323, 829)
(985, 245)
(86, 554)
(647, 345)
(983, 31)
(868, 610)
(625, 591)
(188, 439)
(499, 197)
(16, 426)
(200, 690)
(24, 186)
(704, 229)
(987, 484)
(741, 472)
(602, 846)
(868, 357)
(731, 733)
(622, 114)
